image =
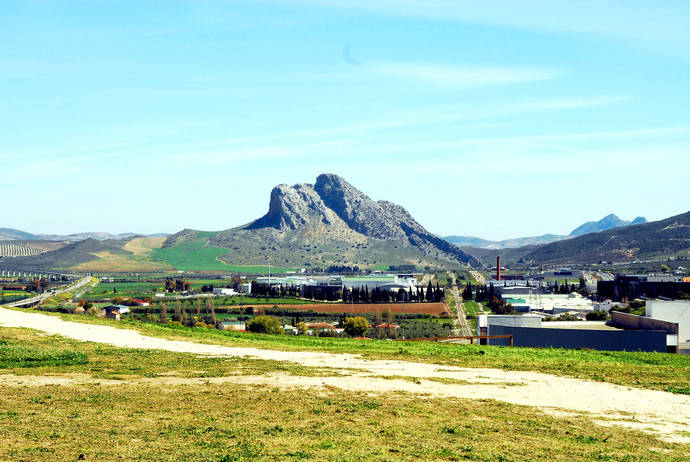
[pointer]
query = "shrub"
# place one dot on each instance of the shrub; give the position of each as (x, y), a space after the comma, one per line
(596, 316)
(265, 325)
(356, 327)
(636, 304)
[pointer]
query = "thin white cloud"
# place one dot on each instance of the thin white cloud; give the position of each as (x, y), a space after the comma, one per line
(653, 22)
(460, 77)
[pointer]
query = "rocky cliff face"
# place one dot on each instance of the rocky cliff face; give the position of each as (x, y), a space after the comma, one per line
(342, 208)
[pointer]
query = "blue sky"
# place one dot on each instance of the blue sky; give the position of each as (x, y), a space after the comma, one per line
(496, 119)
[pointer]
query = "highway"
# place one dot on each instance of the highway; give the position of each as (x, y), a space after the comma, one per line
(35, 300)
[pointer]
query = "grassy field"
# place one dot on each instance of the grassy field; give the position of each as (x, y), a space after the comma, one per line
(659, 371)
(154, 405)
(472, 307)
(197, 256)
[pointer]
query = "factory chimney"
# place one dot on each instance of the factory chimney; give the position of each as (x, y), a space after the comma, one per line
(498, 268)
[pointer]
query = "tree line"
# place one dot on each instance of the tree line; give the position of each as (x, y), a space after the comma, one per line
(353, 295)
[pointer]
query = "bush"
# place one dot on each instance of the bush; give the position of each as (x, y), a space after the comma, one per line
(265, 325)
(356, 327)
(596, 316)
(636, 304)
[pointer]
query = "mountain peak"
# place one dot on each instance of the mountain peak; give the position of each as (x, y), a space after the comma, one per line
(608, 222)
(334, 202)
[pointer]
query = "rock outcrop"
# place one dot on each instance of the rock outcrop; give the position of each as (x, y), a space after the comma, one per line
(334, 202)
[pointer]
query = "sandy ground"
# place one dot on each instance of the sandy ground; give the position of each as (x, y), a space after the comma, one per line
(664, 414)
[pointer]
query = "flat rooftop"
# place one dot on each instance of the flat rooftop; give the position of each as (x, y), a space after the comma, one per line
(590, 325)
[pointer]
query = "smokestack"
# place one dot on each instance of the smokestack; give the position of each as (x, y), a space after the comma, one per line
(498, 268)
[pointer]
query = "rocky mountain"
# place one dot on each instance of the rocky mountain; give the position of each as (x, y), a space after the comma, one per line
(606, 223)
(330, 223)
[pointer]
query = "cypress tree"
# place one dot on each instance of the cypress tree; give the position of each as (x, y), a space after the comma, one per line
(163, 313)
(178, 312)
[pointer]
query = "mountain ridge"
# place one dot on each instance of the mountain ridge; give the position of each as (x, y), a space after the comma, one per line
(11, 234)
(608, 222)
(662, 238)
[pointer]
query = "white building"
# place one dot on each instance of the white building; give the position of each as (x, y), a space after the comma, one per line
(673, 311)
(606, 306)
(552, 303)
(223, 291)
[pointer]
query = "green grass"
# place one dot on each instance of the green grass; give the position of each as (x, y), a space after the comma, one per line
(197, 256)
(659, 371)
(240, 423)
(22, 348)
(13, 354)
(142, 417)
(472, 307)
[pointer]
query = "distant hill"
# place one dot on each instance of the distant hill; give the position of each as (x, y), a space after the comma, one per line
(9, 234)
(608, 222)
(509, 256)
(633, 242)
(477, 242)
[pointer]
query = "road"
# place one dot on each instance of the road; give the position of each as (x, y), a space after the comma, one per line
(463, 325)
(34, 300)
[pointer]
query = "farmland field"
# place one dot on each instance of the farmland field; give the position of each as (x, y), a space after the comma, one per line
(198, 257)
(119, 261)
(437, 309)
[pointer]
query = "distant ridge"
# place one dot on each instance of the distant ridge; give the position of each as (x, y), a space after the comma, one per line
(656, 239)
(10, 234)
(608, 222)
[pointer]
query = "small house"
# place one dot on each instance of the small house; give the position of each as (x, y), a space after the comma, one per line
(114, 311)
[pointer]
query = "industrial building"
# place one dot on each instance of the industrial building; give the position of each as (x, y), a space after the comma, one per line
(391, 282)
(529, 331)
(629, 287)
(672, 317)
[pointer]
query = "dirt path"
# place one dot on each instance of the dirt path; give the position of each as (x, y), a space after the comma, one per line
(463, 325)
(665, 414)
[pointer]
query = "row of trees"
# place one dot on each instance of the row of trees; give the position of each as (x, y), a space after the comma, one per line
(484, 293)
(354, 327)
(200, 317)
(37, 285)
(353, 295)
(176, 285)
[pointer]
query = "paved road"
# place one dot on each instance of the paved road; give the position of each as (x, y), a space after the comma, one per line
(33, 300)
(463, 325)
